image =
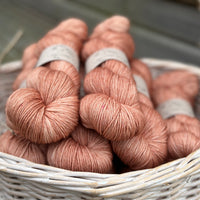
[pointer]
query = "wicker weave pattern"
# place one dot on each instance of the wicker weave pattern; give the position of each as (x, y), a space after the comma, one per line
(21, 179)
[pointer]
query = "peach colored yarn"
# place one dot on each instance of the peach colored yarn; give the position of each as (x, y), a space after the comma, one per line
(140, 69)
(183, 131)
(71, 32)
(84, 150)
(20, 147)
(111, 106)
(47, 110)
(148, 148)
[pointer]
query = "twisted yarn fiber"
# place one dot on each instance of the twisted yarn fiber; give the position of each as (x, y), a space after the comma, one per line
(20, 147)
(183, 131)
(71, 32)
(140, 69)
(47, 110)
(83, 150)
(148, 148)
(111, 106)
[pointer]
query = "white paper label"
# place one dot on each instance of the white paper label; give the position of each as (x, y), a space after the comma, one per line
(59, 52)
(175, 107)
(23, 84)
(141, 85)
(103, 55)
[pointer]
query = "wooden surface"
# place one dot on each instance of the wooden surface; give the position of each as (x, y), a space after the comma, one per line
(161, 28)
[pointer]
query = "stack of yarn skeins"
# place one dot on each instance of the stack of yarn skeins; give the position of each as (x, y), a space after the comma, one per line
(123, 113)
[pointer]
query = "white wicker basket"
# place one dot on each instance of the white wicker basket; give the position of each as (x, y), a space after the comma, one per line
(21, 179)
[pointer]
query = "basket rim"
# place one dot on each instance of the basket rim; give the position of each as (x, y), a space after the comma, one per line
(171, 64)
(104, 185)
(11, 66)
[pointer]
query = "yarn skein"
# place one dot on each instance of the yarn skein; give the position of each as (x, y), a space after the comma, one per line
(143, 79)
(47, 110)
(111, 105)
(20, 147)
(72, 32)
(174, 94)
(83, 150)
(148, 148)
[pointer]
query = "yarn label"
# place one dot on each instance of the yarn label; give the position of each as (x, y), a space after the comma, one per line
(23, 84)
(59, 52)
(103, 55)
(141, 85)
(175, 107)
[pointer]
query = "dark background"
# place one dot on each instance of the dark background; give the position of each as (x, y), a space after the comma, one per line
(161, 28)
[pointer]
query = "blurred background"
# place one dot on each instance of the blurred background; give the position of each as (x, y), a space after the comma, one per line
(161, 28)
